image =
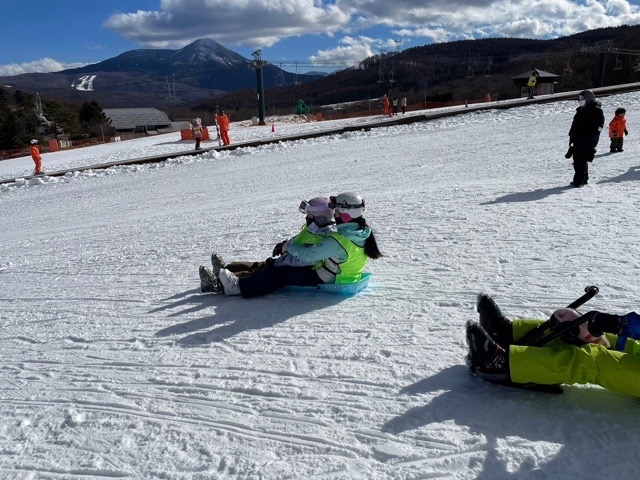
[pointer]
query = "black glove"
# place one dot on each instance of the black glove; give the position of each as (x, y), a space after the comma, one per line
(277, 250)
(626, 132)
(569, 153)
(270, 262)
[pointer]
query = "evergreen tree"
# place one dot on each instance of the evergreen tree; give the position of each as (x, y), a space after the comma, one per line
(6, 136)
(64, 120)
(18, 121)
(93, 120)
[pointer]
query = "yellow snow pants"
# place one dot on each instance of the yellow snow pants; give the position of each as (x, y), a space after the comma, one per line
(560, 362)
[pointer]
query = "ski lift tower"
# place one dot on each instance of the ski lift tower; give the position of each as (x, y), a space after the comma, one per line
(382, 71)
(40, 112)
(258, 63)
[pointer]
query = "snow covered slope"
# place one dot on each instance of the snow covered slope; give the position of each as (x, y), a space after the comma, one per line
(113, 365)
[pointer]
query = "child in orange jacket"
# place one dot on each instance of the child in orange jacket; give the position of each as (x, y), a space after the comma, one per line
(34, 150)
(617, 130)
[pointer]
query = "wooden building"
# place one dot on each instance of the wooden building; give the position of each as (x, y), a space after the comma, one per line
(544, 86)
(137, 119)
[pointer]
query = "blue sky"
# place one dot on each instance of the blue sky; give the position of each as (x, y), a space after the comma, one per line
(45, 36)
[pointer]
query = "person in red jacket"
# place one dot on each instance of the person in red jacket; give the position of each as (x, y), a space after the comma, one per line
(223, 124)
(385, 105)
(34, 150)
(617, 130)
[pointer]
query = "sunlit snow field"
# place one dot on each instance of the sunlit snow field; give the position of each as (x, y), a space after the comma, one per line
(114, 365)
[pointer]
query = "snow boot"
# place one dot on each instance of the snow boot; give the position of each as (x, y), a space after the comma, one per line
(208, 283)
(493, 321)
(486, 358)
(489, 361)
(218, 264)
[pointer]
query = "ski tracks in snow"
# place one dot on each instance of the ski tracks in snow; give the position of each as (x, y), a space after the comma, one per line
(113, 365)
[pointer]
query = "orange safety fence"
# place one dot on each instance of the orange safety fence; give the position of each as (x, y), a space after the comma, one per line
(326, 115)
(188, 134)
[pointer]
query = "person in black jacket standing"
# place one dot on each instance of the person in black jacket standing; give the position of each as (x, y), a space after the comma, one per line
(584, 135)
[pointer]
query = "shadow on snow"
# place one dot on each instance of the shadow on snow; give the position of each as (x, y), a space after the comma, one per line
(484, 409)
(235, 315)
(533, 196)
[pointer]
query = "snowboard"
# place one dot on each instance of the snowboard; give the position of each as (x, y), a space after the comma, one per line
(534, 387)
(338, 288)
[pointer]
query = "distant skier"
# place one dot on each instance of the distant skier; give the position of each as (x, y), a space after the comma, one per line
(196, 127)
(385, 105)
(223, 124)
(531, 84)
(34, 150)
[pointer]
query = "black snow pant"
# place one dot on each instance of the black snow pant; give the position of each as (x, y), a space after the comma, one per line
(581, 160)
(270, 279)
(245, 269)
(616, 144)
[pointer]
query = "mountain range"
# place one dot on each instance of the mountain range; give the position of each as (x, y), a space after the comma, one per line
(205, 74)
(162, 78)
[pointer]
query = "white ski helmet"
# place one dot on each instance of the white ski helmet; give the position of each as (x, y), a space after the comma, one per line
(320, 209)
(569, 315)
(34, 141)
(350, 203)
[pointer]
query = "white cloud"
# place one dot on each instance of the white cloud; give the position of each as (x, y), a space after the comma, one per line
(352, 51)
(263, 23)
(256, 23)
(618, 7)
(446, 20)
(41, 65)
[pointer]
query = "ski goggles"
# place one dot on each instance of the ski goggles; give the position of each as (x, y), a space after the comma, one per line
(340, 206)
(306, 207)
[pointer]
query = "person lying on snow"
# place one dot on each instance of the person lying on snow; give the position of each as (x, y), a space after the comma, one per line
(319, 224)
(583, 356)
(339, 257)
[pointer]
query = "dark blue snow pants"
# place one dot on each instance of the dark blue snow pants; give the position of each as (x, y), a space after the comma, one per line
(270, 279)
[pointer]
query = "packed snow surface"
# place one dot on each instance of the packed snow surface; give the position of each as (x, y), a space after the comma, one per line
(114, 365)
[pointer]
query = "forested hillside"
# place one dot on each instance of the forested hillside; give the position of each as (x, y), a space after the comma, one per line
(457, 71)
